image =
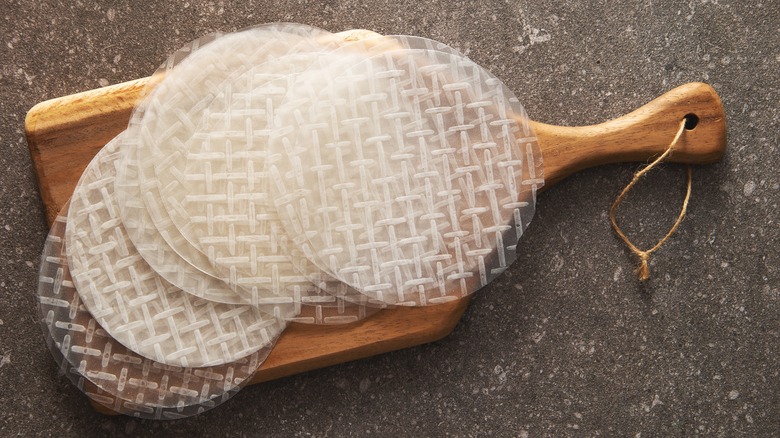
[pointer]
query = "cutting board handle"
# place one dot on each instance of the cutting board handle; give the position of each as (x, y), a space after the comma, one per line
(640, 135)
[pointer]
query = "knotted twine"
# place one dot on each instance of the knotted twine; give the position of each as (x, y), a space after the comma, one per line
(644, 255)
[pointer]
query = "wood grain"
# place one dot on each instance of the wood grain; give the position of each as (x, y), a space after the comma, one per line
(64, 134)
(640, 135)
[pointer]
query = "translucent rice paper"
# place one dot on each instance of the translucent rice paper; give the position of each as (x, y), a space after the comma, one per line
(223, 187)
(110, 374)
(408, 174)
(156, 138)
(151, 174)
(139, 308)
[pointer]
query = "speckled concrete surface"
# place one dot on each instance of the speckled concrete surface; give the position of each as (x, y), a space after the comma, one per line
(567, 342)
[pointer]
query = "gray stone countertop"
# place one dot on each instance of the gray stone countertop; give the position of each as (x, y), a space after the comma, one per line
(567, 342)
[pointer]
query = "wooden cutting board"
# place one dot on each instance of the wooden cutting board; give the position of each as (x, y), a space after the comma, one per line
(64, 134)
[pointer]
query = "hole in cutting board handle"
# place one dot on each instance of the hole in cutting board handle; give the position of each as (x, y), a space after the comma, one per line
(691, 120)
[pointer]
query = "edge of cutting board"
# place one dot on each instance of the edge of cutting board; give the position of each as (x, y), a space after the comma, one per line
(63, 135)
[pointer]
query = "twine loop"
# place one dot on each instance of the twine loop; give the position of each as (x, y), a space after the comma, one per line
(644, 255)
